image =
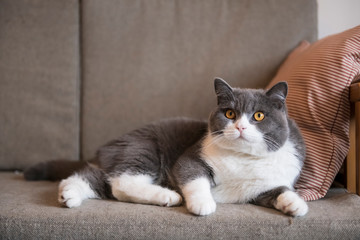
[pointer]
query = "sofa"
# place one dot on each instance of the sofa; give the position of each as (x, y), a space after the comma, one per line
(76, 74)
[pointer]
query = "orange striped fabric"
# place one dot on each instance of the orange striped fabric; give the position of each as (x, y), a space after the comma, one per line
(319, 76)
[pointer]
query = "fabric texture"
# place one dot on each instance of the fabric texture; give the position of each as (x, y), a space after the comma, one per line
(319, 76)
(39, 81)
(29, 210)
(147, 60)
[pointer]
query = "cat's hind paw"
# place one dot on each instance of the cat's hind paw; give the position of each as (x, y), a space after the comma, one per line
(290, 203)
(69, 193)
(73, 190)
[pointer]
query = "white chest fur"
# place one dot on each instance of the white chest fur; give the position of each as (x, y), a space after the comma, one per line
(242, 177)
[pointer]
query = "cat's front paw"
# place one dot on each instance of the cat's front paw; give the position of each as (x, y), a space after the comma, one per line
(290, 203)
(201, 207)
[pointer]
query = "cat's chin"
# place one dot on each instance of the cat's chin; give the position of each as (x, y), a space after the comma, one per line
(249, 149)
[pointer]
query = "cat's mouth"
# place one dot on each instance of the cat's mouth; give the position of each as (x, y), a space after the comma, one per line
(245, 138)
(236, 135)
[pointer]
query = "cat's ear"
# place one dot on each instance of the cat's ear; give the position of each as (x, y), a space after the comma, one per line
(223, 90)
(278, 93)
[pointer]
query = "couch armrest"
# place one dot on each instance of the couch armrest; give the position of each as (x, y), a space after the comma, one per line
(353, 158)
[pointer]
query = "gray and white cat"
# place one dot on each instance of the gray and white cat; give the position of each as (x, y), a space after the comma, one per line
(248, 151)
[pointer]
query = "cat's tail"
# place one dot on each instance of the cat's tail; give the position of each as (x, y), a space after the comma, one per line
(53, 170)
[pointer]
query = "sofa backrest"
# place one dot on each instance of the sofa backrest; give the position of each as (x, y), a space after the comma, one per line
(39, 81)
(86, 73)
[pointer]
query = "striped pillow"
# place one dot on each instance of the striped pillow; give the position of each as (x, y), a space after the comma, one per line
(319, 76)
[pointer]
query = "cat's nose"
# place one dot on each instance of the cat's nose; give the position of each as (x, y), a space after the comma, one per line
(241, 128)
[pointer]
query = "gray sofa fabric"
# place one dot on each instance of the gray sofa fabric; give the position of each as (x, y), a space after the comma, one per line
(39, 81)
(29, 210)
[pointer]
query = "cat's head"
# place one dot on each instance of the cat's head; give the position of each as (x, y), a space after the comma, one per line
(251, 121)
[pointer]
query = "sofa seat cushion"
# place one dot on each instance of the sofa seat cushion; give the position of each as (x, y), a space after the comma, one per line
(29, 210)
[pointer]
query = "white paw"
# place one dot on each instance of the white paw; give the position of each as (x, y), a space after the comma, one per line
(73, 190)
(201, 206)
(198, 198)
(290, 203)
(169, 198)
(69, 193)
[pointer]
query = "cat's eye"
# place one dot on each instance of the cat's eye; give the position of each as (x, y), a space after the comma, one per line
(230, 114)
(259, 116)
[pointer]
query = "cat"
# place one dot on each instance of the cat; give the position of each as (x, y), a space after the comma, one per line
(249, 151)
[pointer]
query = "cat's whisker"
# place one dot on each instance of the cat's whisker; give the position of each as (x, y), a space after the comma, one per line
(271, 142)
(216, 133)
(215, 139)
